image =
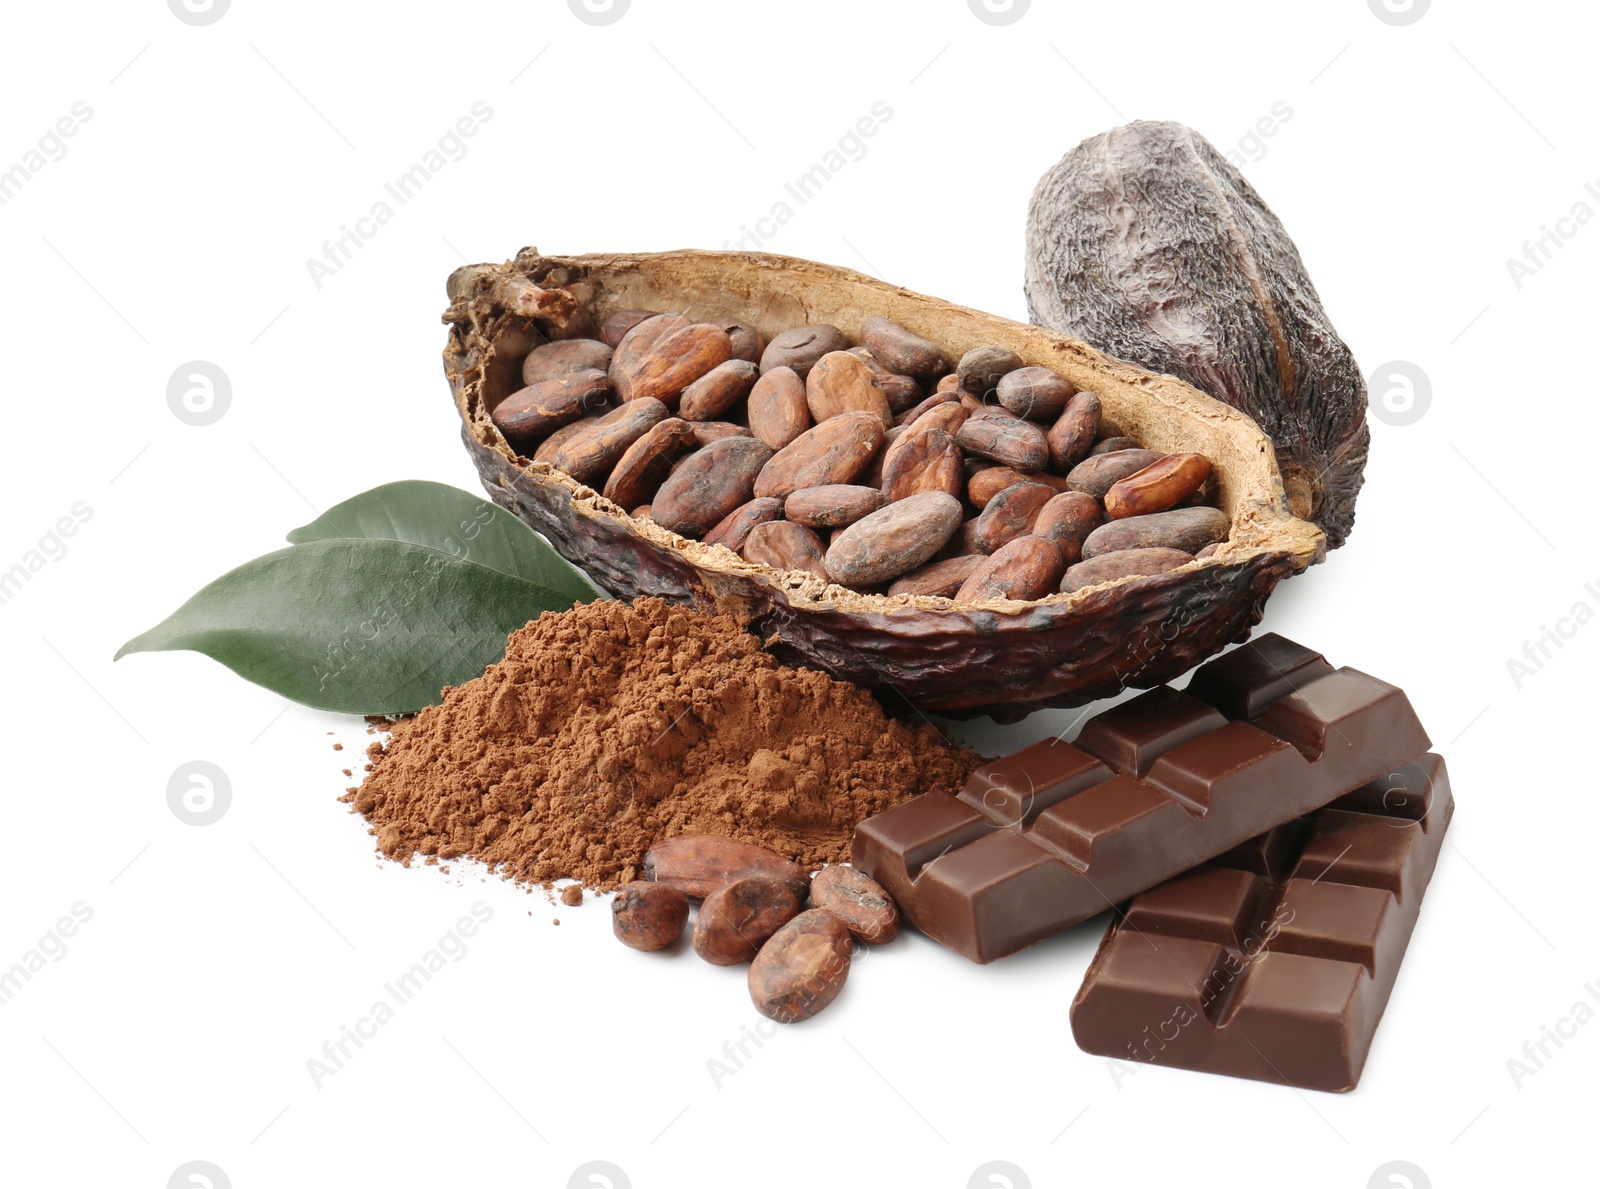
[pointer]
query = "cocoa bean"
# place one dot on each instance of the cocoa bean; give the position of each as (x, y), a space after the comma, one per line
(777, 409)
(984, 485)
(1073, 434)
(706, 432)
(924, 405)
(950, 383)
(1035, 392)
(708, 485)
(1161, 485)
(637, 344)
(699, 864)
(1186, 529)
(670, 363)
(859, 901)
(1010, 515)
(1024, 569)
(785, 545)
(980, 369)
(552, 361)
(922, 460)
(589, 456)
(1208, 551)
(548, 448)
(834, 452)
(1008, 441)
(644, 465)
(531, 414)
(1066, 521)
(801, 347)
(1108, 445)
(1094, 476)
(642, 512)
(745, 340)
(734, 529)
(714, 393)
(942, 578)
(873, 475)
(992, 412)
(901, 391)
(616, 326)
(736, 919)
(901, 351)
(1126, 564)
(893, 540)
(649, 916)
(802, 968)
(832, 506)
(840, 382)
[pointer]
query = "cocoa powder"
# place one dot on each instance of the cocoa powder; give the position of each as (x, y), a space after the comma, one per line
(612, 726)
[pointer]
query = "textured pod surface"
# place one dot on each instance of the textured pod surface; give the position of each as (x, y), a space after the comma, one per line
(1063, 650)
(1148, 243)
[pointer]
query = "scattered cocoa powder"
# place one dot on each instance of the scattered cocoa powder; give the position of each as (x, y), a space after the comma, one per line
(572, 895)
(612, 726)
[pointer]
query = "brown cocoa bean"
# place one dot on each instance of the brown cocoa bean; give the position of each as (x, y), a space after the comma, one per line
(922, 460)
(734, 529)
(552, 361)
(901, 351)
(709, 484)
(926, 404)
(664, 365)
(1161, 485)
(840, 382)
(778, 413)
(1094, 476)
(1011, 514)
(1035, 392)
(642, 512)
(989, 482)
(1073, 434)
(801, 347)
(706, 432)
(1109, 445)
(1208, 551)
(873, 475)
(548, 448)
(637, 344)
(1008, 441)
(980, 369)
(1186, 529)
(1128, 563)
(714, 393)
(901, 391)
(1024, 569)
(992, 412)
(832, 506)
(950, 383)
(616, 326)
(835, 451)
(644, 465)
(699, 864)
(736, 919)
(531, 414)
(785, 545)
(589, 456)
(744, 339)
(859, 901)
(972, 403)
(802, 968)
(1066, 521)
(963, 543)
(649, 916)
(893, 540)
(942, 578)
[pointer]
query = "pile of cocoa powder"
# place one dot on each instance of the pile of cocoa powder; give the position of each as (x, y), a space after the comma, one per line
(611, 726)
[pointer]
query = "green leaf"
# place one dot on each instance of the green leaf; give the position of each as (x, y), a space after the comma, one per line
(463, 526)
(357, 626)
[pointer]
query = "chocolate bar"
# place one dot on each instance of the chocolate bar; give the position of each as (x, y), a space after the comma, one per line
(1275, 960)
(1058, 832)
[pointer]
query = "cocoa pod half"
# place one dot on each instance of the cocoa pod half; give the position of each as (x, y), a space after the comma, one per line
(1188, 529)
(802, 968)
(708, 484)
(699, 864)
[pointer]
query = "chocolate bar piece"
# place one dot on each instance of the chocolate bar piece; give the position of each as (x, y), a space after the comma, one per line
(1046, 838)
(1275, 960)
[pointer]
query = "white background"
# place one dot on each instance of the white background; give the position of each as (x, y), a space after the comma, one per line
(218, 960)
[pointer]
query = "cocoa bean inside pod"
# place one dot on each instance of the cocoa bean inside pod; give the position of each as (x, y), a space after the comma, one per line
(893, 540)
(1026, 568)
(1066, 521)
(551, 446)
(840, 382)
(706, 432)
(834, 452)
(1009, 441)
(1094, 476)
(709, 484)
(984, 485)
(552, 361)
(778, 412)
(1161, 485)
(588, 456)
(1127, 563)
(832, 506)
(649, 916)
(714, 393)
(616, 326)
(927, 403)
(699, 864)
(1072, 436)
(980, 369)
(644, 465)
(734, 529)
(1187, 529)
(669, 362)
(901, 351)
(923, 460)
(858, 900)
(941, 578)
(737, 918)
(1034, 392)
(802, 967)
(801, 347)
(1112, 445)
(1010, 515)
(745, 341)
(785, 545)
(532, 414)
(636, 346)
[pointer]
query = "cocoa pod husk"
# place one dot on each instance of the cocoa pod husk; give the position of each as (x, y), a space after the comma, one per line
(893, 540)
(714, 393)
(699, 864)
(709, 484)
(901, 351)
(801, 347)
(1010, 515)
(531, 414)
(840, 382)
(941, 578)
(833, 505)
(1026, 568)
(590, 455)
(777, 409)
(649, 916)
(1072, 436)
(645, 464)
(859, 901)
(1007, 440)
(1186, 529)
(1127, 563)
(1095, 475)
(1161, 485)
(1066, 520)
(736, 919)
(785, 545)
(922, 460)
(734, 529)
(802, 968)
(1036, 393)
(835, 451)
(552, 361)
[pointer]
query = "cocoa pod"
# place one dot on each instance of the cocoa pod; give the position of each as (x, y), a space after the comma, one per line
(901, 351)
(778, 413)
(1066, 521)
(706, 432)
(552, 361)
(699, 864)
(1161, 485)
(922, 460)
(1186, 529)
(1008, 441)
(1073, 434)
(859, 901)
(1026, 568)
(893, 540)
(590, 455)
(709, 484)
(649, 916)
(616, 326)
(1034, 392)
(942, 578)
(1094, 476)
(1113, 444)
(744, 340)
(832, 506)
(1127, 563)
(1010, 515)
(801, 347)
(548, 448)
(785, 545)
(980, 369)
(984, 485)
(736, 919)
(714, 393)
(834, 452)
(670, 363)
(734, 529)
(802, 968)
(532, 414)
(840, 382)
(644, 465)
(926, 404)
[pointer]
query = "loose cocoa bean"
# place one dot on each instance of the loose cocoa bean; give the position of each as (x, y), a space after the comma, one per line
(922, 460)
(778, 413)
(858, 900)
(1073, 434)
(1128, 563)
(649, 916)
(708, 485)
(832, 506)
(802, 968)
(699, 864)
(984, 485)
(942, 578)
(980, 369)
(1008, 441)
(714, 393)
(923, 406)
(893, 540)
(1187, 529)
(589, 456)
(785, 545)
(745, 341)
(834, 452)
(801, 347)
(644, 465)
(636, 346)
(1024, 569)
(840, 382)
(616, 326)
(1161, 485)
(670, 363)
(1010, 515)
(736, 919)
(1035, 392)
(734, 529)
(548, 448)
(1094, 476)
(950, 383)
(901, 351)
(531, 414)
(706, 432)
(552, 361)
(1110, 445)
(1066, 521)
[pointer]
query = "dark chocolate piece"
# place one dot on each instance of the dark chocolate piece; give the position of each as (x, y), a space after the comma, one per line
(1275, 960)
(1046, 838)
